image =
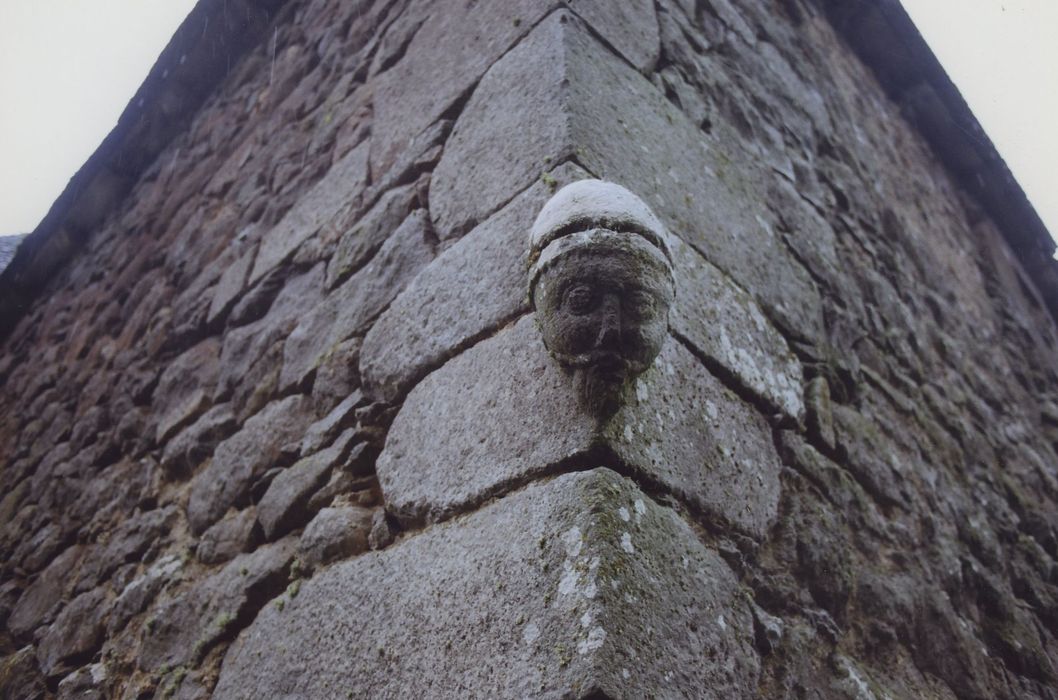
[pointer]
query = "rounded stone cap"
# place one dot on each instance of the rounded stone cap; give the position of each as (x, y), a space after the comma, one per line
(593, 204)
(587, 204)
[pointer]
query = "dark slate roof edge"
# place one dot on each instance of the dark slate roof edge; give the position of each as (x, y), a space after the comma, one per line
(884, 37)
(208, 43)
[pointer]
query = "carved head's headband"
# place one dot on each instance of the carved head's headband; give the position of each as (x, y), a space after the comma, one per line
(599, 216)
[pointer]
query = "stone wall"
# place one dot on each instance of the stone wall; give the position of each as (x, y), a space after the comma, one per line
(284, 426)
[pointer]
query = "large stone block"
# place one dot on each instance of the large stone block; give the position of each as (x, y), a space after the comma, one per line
(456, 43)
(582, 584)
(504, 412)
(473, 287)
(630, 28)
(196, 442)
(577, 99)
(524, 129)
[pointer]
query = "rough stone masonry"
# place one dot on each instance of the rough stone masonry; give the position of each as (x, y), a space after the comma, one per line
(294, 407)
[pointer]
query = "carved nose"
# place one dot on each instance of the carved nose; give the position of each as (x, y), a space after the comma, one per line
(609, 323)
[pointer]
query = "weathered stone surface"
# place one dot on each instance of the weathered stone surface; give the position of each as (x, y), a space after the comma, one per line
(439, 65)
(9, 593)
(20, 676)
(682, 429)
(462, 195)
(228, 538)
(258, 298)
(724, 324)
(354, 304)
(322, 432)
(335, 533)
(142, 590)
(555, 591)
(184, 627)
(245, 347)
(367, 235)
(344, 487)
(38, 550)
(415, 161)
(244, 456)
(914, 555)
(185, 387)
(195, 443)
(85, 683)
(337, 375)
(127, 543)
(836, 482)
(630, 28)
(115, 492)
(873, 459)
(577, 100)
(339, 187)
(283, 505)
(454, 46)
(193, 687)
(473, 287)
(76, 633)
(87, 428)
(820, 418)
(41, 600)
(190, 307)
(231, 283)
(382, 532)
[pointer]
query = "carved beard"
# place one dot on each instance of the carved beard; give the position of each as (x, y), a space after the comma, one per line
(599, 390)
(600, 381)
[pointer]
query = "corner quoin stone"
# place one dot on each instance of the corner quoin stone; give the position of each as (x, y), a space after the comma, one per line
(457, 43)
(682, 430)
(577, 585)
(579, 100)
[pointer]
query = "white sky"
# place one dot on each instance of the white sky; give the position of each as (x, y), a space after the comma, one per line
(67, 70)
(1003, 56)
(69, 67)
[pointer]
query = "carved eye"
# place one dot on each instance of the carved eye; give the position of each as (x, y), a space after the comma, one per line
(640, 303)
(580, 299)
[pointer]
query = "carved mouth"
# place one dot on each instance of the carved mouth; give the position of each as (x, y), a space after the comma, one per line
(600, 361)
(609, 365)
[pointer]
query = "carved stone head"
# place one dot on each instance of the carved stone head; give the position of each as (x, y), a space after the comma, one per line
(601, 283)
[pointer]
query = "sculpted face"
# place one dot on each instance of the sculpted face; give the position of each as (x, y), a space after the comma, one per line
(602, 298)
(605, 316)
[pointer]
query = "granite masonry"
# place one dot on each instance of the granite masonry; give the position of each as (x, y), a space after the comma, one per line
(299, 403)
